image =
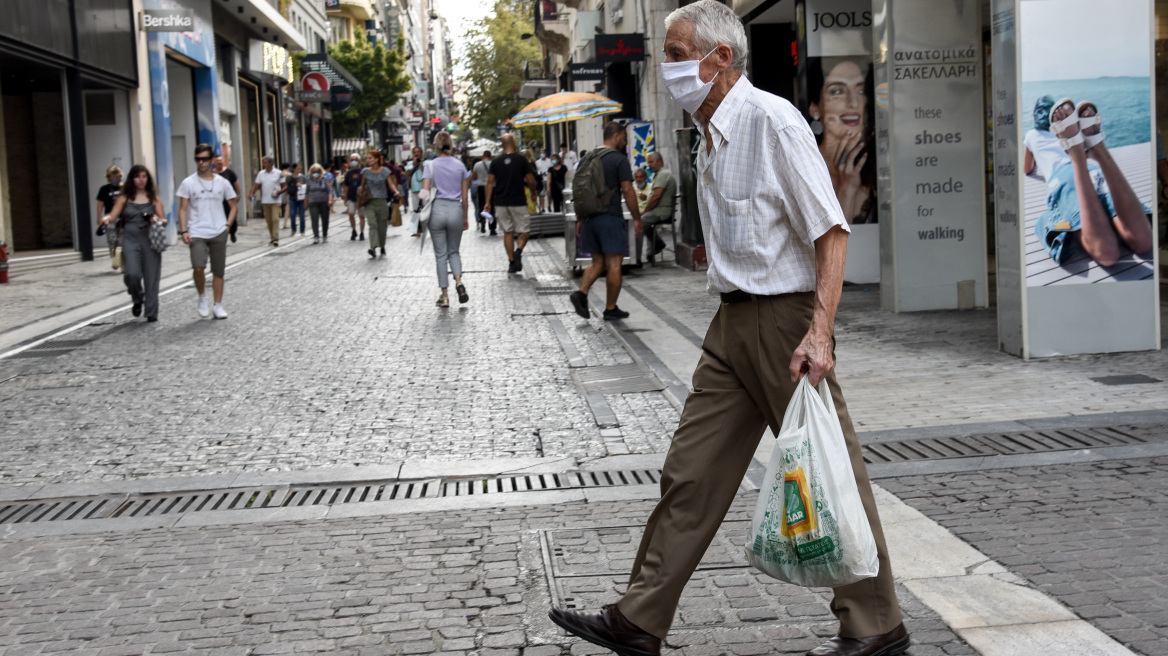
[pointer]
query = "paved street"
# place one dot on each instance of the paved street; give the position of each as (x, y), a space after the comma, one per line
(334, 367)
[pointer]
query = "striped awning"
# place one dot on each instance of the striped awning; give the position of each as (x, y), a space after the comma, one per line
(349, 145)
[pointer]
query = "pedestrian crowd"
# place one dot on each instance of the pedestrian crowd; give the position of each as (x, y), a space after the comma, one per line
(432, 192)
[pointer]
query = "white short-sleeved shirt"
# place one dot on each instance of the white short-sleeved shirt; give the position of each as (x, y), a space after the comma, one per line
(542, 165)
(270, 185)
(1048, 154)
(205, 216)
(764, 195)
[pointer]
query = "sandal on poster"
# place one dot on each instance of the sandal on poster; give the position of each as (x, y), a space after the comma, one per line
(1066, 129)
(1091, 125)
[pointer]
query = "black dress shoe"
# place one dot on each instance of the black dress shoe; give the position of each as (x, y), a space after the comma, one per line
(890, 644)
(609, 629)
(137, 309)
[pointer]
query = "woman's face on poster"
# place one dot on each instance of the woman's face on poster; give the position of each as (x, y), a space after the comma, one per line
(842, 103)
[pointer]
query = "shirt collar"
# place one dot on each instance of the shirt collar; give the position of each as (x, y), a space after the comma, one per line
(725, 118)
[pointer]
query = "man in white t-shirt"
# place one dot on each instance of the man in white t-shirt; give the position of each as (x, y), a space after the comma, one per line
(270, 183)
(204, 226)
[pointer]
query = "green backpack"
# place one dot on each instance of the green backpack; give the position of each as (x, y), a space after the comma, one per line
(590, 196)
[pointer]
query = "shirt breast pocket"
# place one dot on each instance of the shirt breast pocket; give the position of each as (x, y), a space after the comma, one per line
(735, 230)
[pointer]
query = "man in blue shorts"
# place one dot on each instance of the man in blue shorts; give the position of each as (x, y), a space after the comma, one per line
(605, 236)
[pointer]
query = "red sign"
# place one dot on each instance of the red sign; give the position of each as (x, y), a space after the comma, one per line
(620, 47)
(314, 82)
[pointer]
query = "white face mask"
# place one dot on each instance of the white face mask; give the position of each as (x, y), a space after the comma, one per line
(685, 84)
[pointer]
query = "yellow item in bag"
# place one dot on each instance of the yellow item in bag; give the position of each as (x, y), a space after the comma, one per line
(531, 208)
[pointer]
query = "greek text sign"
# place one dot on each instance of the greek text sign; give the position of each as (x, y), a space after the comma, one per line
(932, 138)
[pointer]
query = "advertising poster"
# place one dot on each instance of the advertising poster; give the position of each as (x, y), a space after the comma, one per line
(641, 143)
(932, 141)
(1089, 187)
(839, 106)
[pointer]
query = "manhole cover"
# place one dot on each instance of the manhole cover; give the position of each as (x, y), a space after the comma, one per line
(617, 379)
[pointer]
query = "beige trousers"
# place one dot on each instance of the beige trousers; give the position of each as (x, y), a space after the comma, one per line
(272, 218)
(741, 386)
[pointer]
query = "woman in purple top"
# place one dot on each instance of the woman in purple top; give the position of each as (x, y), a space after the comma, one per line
(448, 181)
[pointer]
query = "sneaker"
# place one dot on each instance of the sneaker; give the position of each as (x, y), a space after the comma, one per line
(316, 240)
(443, 301)
(463, 297)
(518, 260)
(275, 244)
(220, 313)
(494, 234)
(382, 251)
(324, 239)
(615, 313)
(372, 253)
(204, 310)
(362, 237)
(580, 302)
(353, 237)
(511, 267)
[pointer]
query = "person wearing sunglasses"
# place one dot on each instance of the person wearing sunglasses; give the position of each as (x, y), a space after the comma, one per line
(203, 226)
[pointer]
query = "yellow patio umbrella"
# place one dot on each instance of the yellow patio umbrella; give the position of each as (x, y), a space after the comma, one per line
(563, 107)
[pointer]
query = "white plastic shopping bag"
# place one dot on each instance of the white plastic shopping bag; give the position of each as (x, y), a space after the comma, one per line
(809, 525)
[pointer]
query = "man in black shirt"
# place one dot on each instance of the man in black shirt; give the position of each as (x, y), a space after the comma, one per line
(605, 236)
(350, 183)
(233, 180)
(506, 177)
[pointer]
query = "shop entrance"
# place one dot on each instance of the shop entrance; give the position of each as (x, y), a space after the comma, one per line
(36, 155)
(180, 80)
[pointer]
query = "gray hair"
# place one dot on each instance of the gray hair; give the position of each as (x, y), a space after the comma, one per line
(714, 24)
(654, 155)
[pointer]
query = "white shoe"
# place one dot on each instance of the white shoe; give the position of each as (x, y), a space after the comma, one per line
(220, 313)
(204, 311)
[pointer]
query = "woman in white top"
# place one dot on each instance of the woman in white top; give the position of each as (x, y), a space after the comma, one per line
(448, 181)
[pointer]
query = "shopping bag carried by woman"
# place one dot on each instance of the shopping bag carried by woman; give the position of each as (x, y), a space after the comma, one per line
(809, 525)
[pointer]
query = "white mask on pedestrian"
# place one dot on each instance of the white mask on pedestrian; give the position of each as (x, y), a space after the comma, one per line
(684, 83)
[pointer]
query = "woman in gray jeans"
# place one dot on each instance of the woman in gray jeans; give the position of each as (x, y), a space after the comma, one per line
(319, 197)
(381, 190)
(448, 181)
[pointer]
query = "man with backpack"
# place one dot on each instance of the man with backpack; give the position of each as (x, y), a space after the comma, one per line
(603, 178)
(506, 177)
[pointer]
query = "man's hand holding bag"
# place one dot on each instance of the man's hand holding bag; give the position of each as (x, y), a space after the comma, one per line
(809, 524)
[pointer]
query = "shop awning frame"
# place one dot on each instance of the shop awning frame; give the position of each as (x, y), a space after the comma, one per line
(321, 62)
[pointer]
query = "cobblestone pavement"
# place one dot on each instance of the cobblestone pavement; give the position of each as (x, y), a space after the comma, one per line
(1094, 537)
(439, 583)
(937, 368)
(328, 358)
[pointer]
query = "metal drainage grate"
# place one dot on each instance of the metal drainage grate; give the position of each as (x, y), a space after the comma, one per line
(617, 379)
(1005, 444)
(555, 291)
(175, 503)
(1128, 379)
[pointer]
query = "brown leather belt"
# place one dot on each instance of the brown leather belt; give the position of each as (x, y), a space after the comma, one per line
(739, 296)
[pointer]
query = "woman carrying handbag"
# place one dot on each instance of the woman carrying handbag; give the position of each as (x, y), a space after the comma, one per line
(378, 189)
(139, 212)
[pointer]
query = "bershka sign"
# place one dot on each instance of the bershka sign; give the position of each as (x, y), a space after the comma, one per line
(585, 72)
(620, 47)
(168, 20)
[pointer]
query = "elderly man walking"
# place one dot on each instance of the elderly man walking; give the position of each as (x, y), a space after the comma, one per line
(776, 240)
